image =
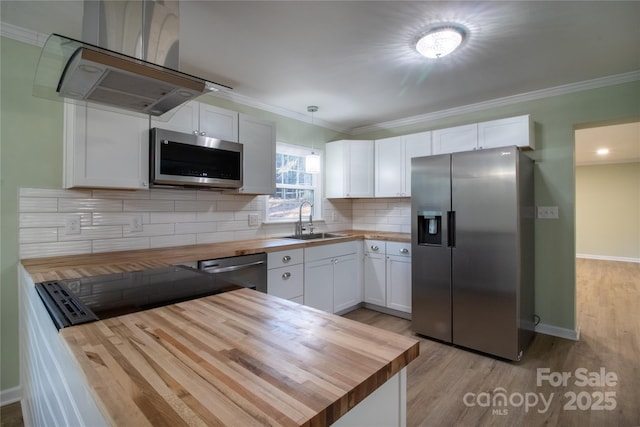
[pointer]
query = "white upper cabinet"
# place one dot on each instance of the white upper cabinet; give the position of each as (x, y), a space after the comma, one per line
(389, 161)
(517, 131)
(393, 163)
(452, 140)
(105, 149)
(349, 169)
(202, 119)
(258, 138)
(506, 132)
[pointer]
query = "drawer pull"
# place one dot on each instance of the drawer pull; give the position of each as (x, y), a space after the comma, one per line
(375, 248)
(286, 259)
(404, 251)
(286, 275)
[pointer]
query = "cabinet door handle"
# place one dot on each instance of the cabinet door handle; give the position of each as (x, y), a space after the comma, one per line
(203, 133)
(404, 251)
(286, 275)
(286, 259)
(195, 132)
(375, 248)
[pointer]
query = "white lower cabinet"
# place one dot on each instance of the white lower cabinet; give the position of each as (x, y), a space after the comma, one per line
(387, 275)
(285, 274)
(398, 280)
(332, 276)
(375, 277)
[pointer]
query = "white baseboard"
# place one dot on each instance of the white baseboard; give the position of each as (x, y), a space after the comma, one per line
(556, 331)
(10, 395)
(608, 258)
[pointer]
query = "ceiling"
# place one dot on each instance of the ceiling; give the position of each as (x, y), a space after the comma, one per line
(622, 141)
(355, 59)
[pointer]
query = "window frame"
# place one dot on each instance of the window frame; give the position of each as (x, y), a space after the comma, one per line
(316, 186)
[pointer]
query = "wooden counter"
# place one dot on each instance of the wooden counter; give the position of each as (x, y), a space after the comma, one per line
(74, 266)
(240, 358)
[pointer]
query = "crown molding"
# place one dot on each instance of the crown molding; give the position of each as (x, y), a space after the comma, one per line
(38, 39)
(22, 34)
(501, 102)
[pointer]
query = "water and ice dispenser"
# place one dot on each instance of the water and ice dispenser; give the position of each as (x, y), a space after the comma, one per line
(430, 228)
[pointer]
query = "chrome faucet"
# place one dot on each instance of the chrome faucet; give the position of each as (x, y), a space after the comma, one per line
(299, 227)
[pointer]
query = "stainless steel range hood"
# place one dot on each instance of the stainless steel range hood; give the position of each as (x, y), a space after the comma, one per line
(78, 71)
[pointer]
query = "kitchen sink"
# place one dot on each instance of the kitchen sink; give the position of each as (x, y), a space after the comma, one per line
(314, 236)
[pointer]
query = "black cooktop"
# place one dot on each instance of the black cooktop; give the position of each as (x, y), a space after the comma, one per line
(75, 301)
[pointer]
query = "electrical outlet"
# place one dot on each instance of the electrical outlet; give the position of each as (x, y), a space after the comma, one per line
(334, 216)
(135, 223)
(547, 212)
(72, 224)
(254, 220)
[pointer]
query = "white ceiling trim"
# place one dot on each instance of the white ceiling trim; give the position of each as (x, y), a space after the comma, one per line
(38, 39)
(501, 102)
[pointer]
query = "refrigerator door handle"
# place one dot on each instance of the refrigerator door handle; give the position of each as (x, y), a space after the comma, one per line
(451, 229)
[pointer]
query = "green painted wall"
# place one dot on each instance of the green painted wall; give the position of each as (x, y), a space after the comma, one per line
(31, 156)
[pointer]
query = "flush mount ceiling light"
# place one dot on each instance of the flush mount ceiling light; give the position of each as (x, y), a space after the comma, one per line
(312, 161)
(602, 151)
(440, 41)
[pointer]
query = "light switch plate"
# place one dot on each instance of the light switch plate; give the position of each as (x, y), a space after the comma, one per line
(547, 212)
(254, 220)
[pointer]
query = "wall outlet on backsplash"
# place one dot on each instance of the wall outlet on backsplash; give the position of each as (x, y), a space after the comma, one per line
(72, 224)
(135, 223)
(254, 220)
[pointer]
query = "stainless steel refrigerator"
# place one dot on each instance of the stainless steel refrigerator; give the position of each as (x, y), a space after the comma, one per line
(472, 240)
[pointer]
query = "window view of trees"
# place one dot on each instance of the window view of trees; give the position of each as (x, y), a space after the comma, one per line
(293, 186)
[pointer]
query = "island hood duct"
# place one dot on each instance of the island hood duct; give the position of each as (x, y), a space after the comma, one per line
(121, 70)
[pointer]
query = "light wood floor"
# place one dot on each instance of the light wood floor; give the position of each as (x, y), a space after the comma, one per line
(609, 318)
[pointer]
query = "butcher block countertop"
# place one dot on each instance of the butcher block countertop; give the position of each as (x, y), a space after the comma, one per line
(74, 266)
(241, 358)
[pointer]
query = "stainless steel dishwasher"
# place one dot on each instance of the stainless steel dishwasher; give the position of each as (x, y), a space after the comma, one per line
(247, 270)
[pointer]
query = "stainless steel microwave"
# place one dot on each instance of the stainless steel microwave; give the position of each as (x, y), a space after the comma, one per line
(191, 160)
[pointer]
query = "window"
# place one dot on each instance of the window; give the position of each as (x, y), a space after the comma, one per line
(294, 185)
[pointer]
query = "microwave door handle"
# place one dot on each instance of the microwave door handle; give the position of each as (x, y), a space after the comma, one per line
(232, 267)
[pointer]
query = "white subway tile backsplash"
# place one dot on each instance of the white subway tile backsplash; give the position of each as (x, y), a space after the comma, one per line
(195, 206)
(215, 216)
(38, 235)
(196, 227)
(38, 204)
(174, 240)
(46, 192)
(89, 205)
(172, 217)
(175, 217)
(217, 237)
(39, 250)
(172, 194)
(36, 220)
(148, 205)
(149, 230)
(124, 244)
(121, 194)
(91, 233)
(117, 218)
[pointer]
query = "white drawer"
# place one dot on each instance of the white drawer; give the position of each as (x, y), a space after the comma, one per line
(315, 253)
(375, 246)
(286, 282)
(284, 258)
(399, 248)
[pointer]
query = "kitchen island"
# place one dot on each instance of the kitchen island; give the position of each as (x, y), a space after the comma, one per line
(238, 358)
